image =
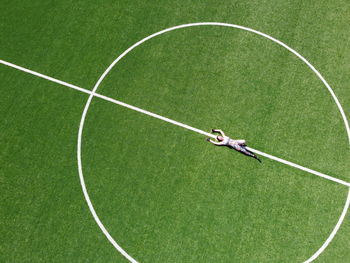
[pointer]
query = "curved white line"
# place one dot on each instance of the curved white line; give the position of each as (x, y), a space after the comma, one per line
(86, 195)
(334, 232)
(87, 105)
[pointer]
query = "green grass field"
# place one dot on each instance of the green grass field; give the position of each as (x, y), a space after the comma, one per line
(163, 192)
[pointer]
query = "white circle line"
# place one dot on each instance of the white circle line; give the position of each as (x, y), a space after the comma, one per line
(87, 105)
(334, 232)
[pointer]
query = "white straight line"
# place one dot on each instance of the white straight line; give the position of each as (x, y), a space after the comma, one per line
(44, 76)
(154, 115)
(300, 167)
(108, 99)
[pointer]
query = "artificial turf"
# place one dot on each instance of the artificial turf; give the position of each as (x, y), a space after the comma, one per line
(164, 193)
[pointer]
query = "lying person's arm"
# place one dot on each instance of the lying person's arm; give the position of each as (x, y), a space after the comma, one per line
(215, 142)
(219, 131)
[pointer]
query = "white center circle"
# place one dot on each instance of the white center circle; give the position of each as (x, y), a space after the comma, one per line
(82, 121)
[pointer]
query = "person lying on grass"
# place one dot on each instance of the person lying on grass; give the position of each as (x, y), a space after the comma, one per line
(238, 145)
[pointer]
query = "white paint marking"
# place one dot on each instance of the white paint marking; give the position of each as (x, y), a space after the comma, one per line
(340, 221)
(300, 167)
(334, 232)
(154, 115)
(92, 94)
(44, 76)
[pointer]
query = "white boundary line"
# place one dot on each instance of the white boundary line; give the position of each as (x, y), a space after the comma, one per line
(335, 230)
(44, 76)
(154, 115)
(92, 94)
(300, 167)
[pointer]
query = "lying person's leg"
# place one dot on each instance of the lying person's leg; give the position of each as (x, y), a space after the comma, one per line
(248, 153)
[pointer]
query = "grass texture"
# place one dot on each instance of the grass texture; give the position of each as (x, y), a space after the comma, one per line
(164, 193)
